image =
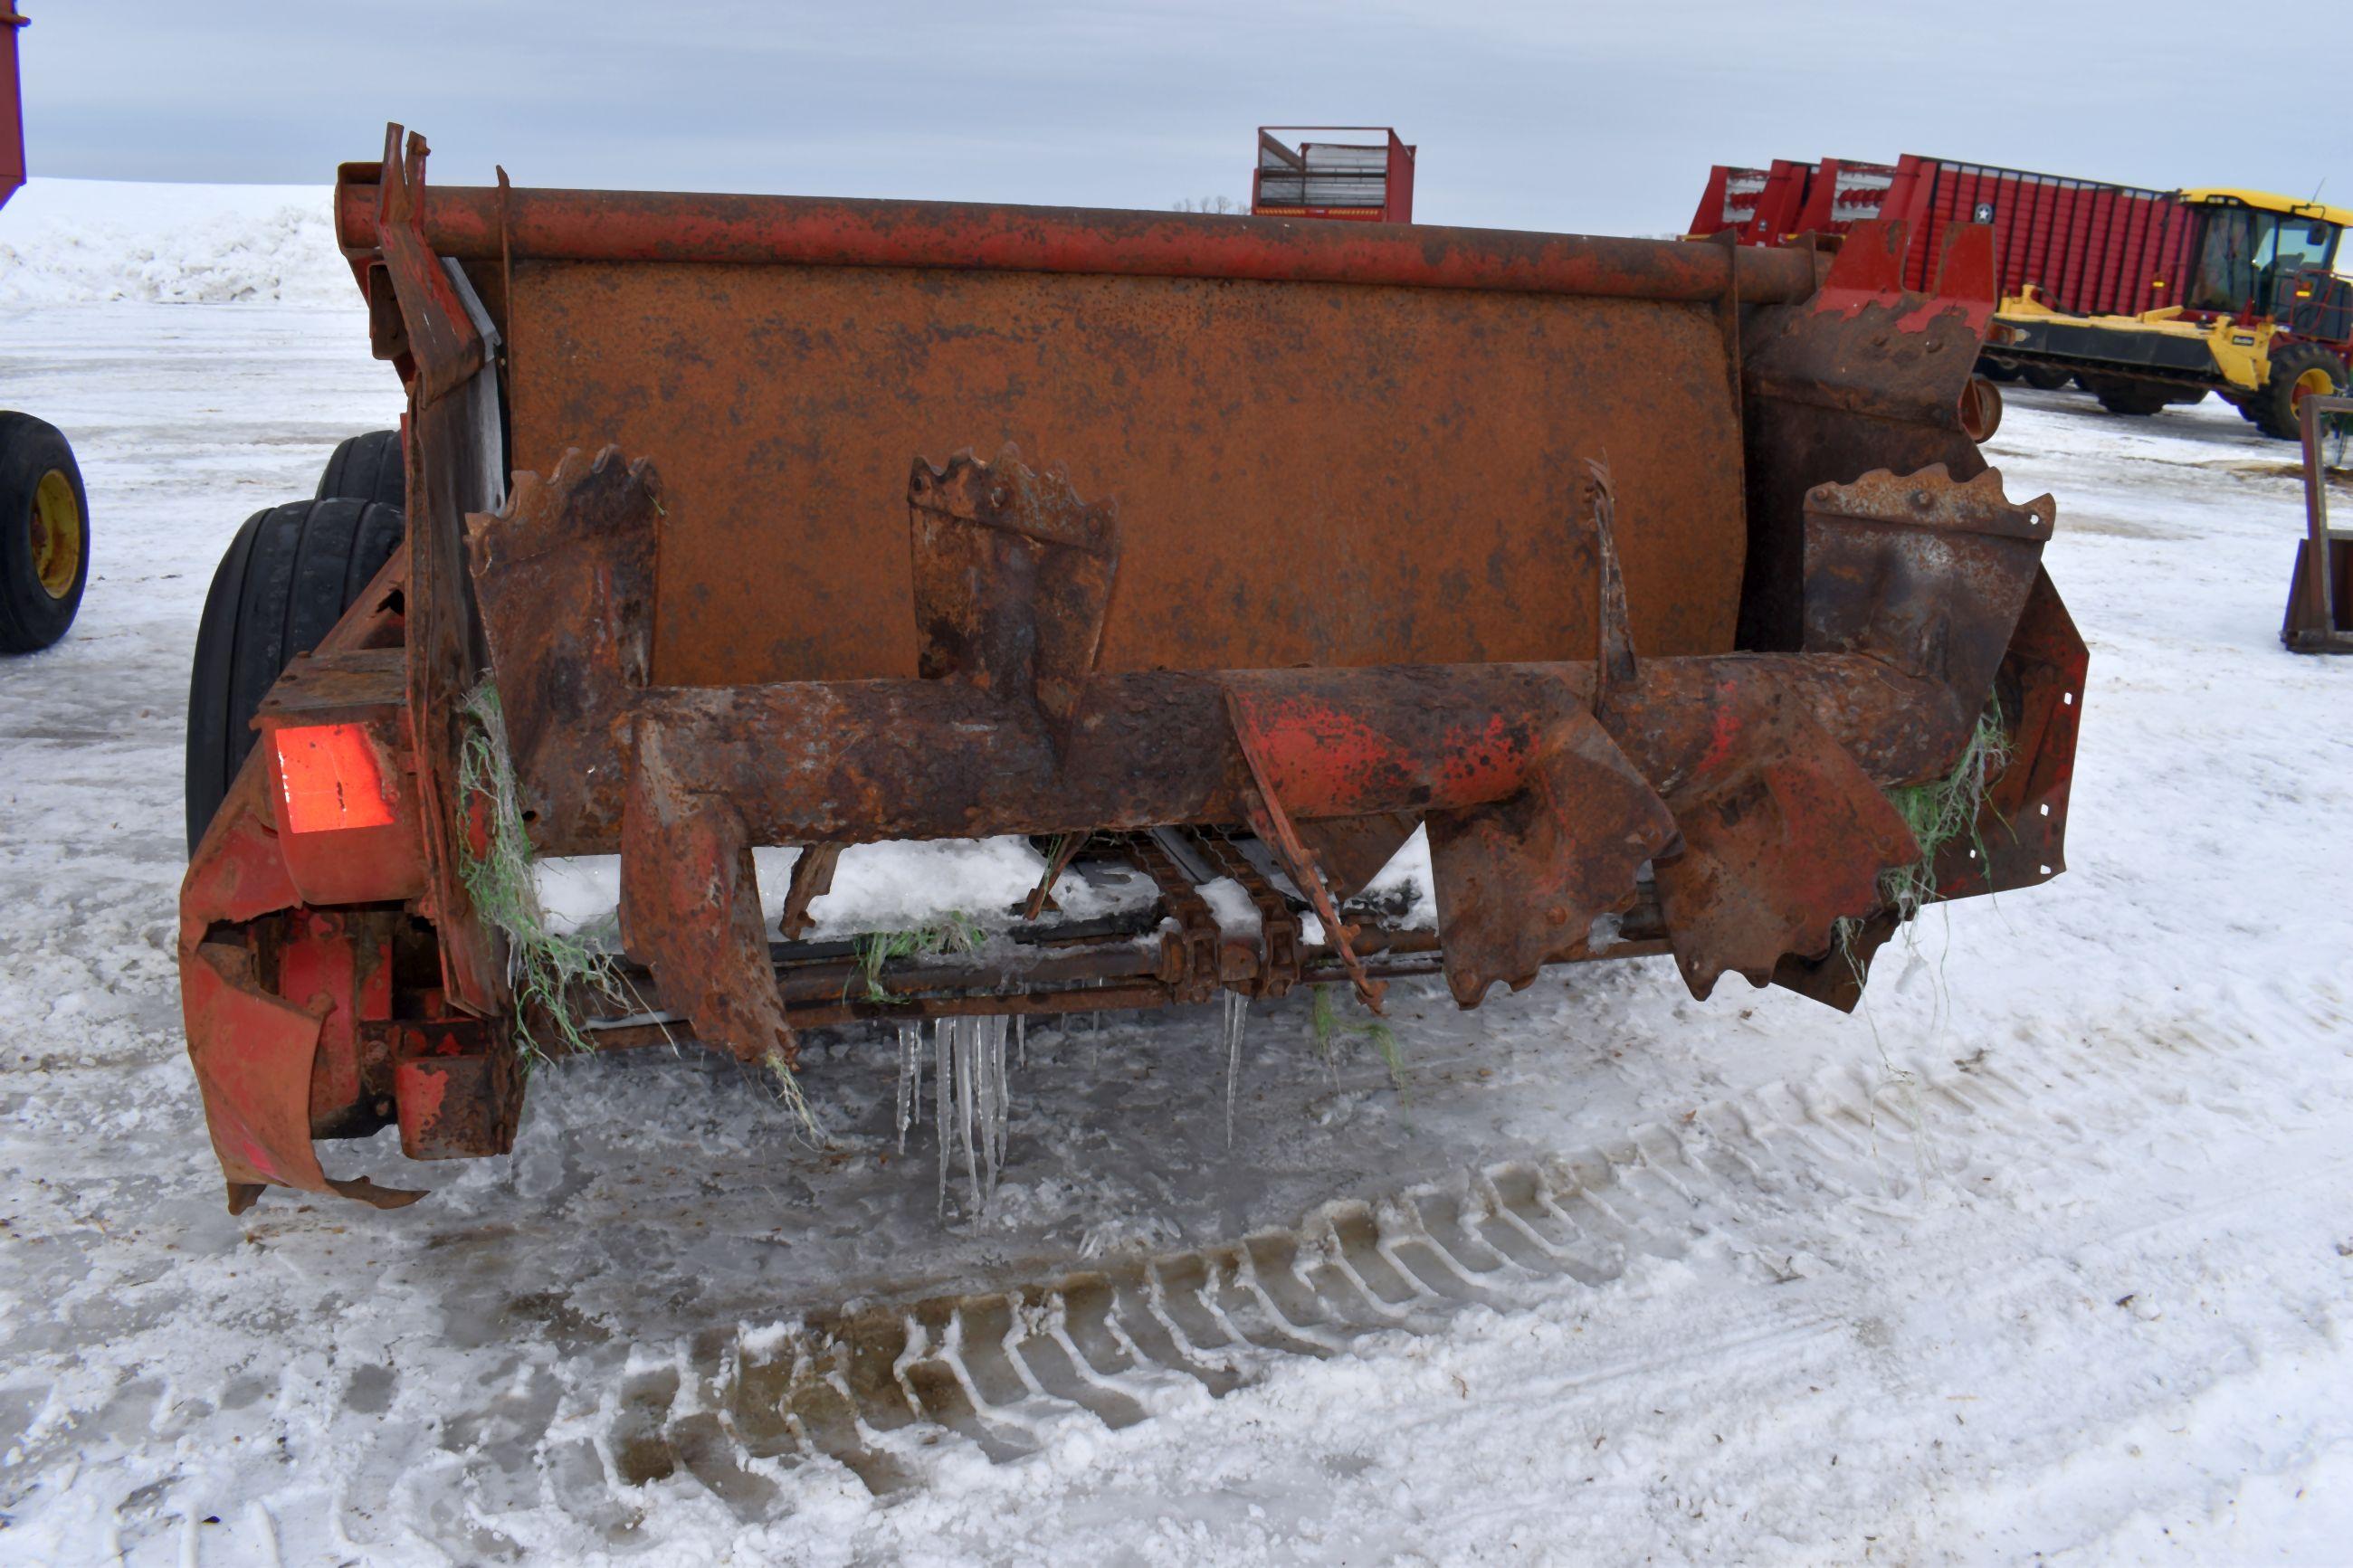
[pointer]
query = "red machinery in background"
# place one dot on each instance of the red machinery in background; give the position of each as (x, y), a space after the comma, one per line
(1364, 182)
(2142, 297)
(1775, 204)
(44, 515)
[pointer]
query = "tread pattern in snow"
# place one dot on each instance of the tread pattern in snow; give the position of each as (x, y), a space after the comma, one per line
(1002, 1368)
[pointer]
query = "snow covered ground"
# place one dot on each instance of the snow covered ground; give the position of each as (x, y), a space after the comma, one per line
(2046, 1254)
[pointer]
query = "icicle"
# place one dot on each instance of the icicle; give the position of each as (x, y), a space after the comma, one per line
(1004, 1093)
(966, 1106)
(1236, 1009)
(984, 1054)
(939, 1107)
(911, 1078)
(1000, 1099)
(1021, 1038)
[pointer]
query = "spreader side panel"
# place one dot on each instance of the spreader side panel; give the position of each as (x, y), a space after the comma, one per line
(1305, 474)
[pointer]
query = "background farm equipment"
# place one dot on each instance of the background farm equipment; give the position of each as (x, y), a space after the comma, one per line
(1289, 540)
(1313, 175)
(44, 513)
(2142, 297)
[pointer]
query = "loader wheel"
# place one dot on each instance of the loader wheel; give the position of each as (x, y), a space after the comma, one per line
(2134, 397)
(2298, 371)
(368, 467)
(289, 575)
(2045, 377)
(44, 534)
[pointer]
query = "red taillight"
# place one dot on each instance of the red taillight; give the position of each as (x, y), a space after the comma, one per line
(329, 779)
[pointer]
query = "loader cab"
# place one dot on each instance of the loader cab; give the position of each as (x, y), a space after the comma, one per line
(2251, 242)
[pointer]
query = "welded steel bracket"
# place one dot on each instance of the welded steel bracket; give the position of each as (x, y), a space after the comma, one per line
(564, 576)
(1012, 576)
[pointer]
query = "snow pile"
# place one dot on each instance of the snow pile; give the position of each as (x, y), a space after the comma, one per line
(69, 242)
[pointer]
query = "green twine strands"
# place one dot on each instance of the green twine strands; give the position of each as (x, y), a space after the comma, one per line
(544, 969)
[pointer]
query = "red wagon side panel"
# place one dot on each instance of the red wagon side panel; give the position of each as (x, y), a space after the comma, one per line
(2087, 247)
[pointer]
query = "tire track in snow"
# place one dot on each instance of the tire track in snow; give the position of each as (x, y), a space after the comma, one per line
(1002, 1370)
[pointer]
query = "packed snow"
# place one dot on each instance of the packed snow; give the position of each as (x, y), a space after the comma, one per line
(2045, 1253)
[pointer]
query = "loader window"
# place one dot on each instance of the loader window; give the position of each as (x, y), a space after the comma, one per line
(2297, 245)
(2227, 258)
(2246, 255)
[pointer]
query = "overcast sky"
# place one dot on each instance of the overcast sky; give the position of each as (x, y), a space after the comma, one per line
(1571, 116)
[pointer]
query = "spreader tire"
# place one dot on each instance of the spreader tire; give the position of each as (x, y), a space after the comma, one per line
(2296, 370)
(2045, 377)
(368, 467)
(288, 577)
(2000, 369)
(44, 534)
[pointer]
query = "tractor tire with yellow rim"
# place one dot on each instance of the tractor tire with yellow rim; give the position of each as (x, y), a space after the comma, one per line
(44, 534)
(2298, 371)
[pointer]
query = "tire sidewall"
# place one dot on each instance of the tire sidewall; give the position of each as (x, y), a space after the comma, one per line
(270, 600)
(30, 448)
(2274, 406)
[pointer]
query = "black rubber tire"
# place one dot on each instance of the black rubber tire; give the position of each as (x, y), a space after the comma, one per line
(2001, 370)
(288, 577)
(31, 617)
(2045, 377)
(368, 467)
(2272, 406)
(2131, 398)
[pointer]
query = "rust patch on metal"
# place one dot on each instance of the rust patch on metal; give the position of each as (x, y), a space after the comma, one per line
(1012, 577)
(812, 878)
(565, 577)
(1520, 881)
